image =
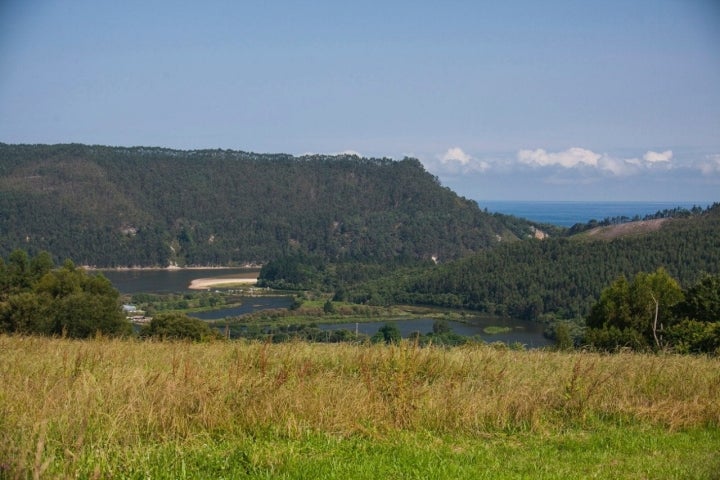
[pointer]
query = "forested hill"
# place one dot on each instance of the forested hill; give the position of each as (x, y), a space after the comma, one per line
(110, 206)
(562, 277)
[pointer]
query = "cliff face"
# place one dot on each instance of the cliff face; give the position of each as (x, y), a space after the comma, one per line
(110, 206)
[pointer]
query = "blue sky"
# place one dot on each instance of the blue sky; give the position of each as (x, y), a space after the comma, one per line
(517, 100)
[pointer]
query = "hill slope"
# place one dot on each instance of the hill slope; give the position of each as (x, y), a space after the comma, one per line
(110, 206)
(561, 276)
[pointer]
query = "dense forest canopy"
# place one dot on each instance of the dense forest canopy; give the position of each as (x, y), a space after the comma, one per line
(561, 277)
(110, 206)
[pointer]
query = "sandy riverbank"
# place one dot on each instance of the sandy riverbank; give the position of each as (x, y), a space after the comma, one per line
(205, 283)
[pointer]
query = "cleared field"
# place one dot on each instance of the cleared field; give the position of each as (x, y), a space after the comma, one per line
(124, 408)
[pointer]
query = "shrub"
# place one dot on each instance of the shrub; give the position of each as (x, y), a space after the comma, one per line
(178, 326)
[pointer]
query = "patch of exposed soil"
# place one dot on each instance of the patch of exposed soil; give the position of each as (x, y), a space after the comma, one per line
(612, 232)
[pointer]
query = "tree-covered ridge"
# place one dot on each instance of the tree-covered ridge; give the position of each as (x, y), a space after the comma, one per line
(110, 206)
(561, 277)
(677, 212)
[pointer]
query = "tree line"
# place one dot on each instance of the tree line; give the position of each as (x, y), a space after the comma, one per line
(677, 212)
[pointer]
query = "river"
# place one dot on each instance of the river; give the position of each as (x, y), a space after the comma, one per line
(526, 333)
(174, 281)
(165, 281)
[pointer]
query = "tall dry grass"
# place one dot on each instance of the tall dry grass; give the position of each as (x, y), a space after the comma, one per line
(59, 397)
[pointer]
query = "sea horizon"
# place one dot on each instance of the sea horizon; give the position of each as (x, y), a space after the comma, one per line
(566, 213)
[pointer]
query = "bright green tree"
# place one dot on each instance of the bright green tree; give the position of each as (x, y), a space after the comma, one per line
(63, 301)
(699, 329)
(634, 313)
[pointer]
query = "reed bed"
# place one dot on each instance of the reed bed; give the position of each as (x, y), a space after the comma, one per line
(61, 398)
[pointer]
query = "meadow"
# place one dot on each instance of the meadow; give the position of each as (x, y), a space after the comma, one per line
(110, 408)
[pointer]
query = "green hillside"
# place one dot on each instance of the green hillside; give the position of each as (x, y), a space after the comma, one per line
(558, 276)
(110, 206)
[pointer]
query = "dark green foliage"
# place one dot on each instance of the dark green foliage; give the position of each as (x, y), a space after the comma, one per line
(702, 301)
(613, 338)
(388, 333)
(626, 315)
(444, 339)
(178, 326)
(558, 276)
(632, 305)
(692, 336)
(440, 327)
(295, 332)
(329, 307)
(111, 207)
(38, 299)
(293, 272)
(563, 336)
(297, 302)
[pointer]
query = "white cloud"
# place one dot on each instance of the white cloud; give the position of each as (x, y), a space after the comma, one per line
(455, 161)
(620, 167)
(569, 158)
(658, 157)
(581, 157)
(711, 166)
(455, 154)
(577, 173)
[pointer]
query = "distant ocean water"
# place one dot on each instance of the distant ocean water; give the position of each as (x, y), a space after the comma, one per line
(567, 214)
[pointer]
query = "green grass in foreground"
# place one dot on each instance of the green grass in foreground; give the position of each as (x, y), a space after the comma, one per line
(129, 409)
(609, 452)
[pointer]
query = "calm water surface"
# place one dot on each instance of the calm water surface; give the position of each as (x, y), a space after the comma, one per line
(172, 281)
(165, 281)
(527, 333)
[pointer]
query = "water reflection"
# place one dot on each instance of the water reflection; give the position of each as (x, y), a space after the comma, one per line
(526, 333)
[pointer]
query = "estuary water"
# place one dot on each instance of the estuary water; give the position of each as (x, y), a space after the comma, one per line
(176, 281)
(165, 281)
(523, 332)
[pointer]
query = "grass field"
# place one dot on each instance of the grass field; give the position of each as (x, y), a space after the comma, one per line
(130, 409)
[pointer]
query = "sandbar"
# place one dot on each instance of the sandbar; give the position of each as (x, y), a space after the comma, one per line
(205, 283)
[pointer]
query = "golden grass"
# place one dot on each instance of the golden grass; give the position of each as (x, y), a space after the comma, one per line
(64, 396)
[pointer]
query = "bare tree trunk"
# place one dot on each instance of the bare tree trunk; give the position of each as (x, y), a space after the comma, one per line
(657, 309)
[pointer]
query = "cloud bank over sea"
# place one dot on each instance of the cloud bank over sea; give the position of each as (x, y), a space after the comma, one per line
(644, 174)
